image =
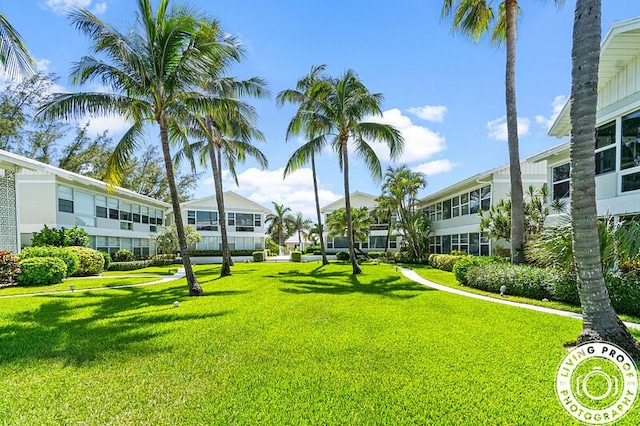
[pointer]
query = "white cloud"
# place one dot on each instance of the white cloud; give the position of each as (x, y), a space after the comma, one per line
(429, 112)
(434, 167)
(265, 186)
(498, 128)
(115, 125)
(420, 142)
(61, 7)
(556, 108)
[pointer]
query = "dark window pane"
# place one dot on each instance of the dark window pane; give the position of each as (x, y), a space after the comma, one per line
(136, 218)
(485, 204)
(446, 209)
(484, 250)
(159, 221)
(65, 206)
(631, 182)
(474, 204)
(474, 243)
(152, 220)
(101, 211)
(630, 148)
(606, 161)
(560, 190)
(153, 228)
(113, 214)
(561, 172)
(606, 135)
(446, 243)
(145, 218)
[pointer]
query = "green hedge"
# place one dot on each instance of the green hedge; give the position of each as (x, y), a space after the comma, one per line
(69, 257)
(42, 271)
(461, 267)
(91, 261)
(296, 256)
(446, 262)
(258, 256)
(342, 255)
(130, 266)
(123, 255)
(624, 291)
(162, 259)
(202, 253)
(521, 280)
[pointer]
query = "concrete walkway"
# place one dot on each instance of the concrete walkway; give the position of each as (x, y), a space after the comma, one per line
(413, 276)
(179, 274)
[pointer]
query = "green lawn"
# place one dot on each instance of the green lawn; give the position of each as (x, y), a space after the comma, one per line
(280, 344)
(80, 284)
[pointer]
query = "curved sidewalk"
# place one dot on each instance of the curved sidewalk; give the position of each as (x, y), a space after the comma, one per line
(413, 276)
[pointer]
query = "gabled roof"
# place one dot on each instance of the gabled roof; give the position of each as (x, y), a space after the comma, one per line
(30, 164)
(548, 153)
(227, 195)
(621, 44)
(339, 203)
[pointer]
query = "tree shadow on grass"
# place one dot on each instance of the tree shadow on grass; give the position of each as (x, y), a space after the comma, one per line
(338, 283)
(84, 327)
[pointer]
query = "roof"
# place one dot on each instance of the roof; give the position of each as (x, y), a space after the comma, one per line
(339, 203)
(547, 153)
(227, 194)
(28, 163)
(478, 178)
(621, 44)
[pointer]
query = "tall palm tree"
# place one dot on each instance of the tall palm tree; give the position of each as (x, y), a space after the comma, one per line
(385, 207)
(301, 95)
(154, 71)
(279, 222)
(300, 225)
(335, 115)
(225, 139)
(475, 18)
(600, 321)
(15, 59)
(361, 221)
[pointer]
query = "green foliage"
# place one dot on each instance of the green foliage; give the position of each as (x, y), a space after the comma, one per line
(205, 253)
(342, 255)
(42, 271)
(91, 261)
(68, 256)
(445, 262)
(123, 255)
(462, 266)
(63, 237)
(162, 259)
(279, 224)
(75, 237)
(520, 280)
(258, 256)
(107, 260)
(271, 245)
(167, 240)
(130, 265)
(375, 254)
(9, 268)
(296, 256)
(317, 252)
(624, 292)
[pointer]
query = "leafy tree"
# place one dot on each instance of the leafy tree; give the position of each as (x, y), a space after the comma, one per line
(303, 96)
(63, 237)
(301, 226)
(334, 114)
(15, 59)
(599, 319)
(167, 240)
(475, 18)
(361, 221)
(154, 72)
(280, 222)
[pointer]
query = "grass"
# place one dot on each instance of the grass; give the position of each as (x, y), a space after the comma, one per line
(79, 283)
(152, 270)
(449, 279)
(280, 343)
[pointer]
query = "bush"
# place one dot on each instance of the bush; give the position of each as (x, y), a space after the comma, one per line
(521, 280)
(458, 253)
(69, 257)
(197, 253)
(342, 255)
(42, 271)
(130, 266)
(444, 261)
(296, 256)
(624, 291)
(162, 259)
(375, 254)
(258, 256)
(107, 260)
(62, 237)
(309, 250)
(317, 252)
(91, 261)
(123, 255)
(462, 266)
(9, 268)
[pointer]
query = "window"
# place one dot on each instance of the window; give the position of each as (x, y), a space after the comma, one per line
(446, 243)
(205, 220)
(136, 213)
(340, 242)
(630, 146)
(560, 178)
(439, 211)
(464, 204)
(191, 217)
(101, 206)
(484, 244)
(113, 209)
(144, 214)
(257, 220)
(65, 199)
(244, 222)
(474, 243)
(153, 228)
(631, 182)
(485, 198)
(393, 242)
(446, 209)
(126, 226)
(377, 241)
(474, 204)
(231, 219)
(606, 148)
(455, 207)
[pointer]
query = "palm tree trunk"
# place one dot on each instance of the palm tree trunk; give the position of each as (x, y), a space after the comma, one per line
(222, 219)
(347, 205)
(192, 282)
(517, 208)
(386, 245)
(600, 321)
(325, 261)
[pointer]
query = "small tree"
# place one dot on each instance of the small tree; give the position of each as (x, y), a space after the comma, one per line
(167, 240)
(62, 237)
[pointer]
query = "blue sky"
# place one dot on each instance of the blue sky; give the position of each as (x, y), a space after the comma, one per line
(445, 93)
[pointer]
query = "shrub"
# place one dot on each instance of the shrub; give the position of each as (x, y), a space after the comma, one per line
(296, 256)
(123, 255)
(9, 268)
(197, 253)
(69, 257)
(376, 254)
(258, 256)
(458, 253)
(75, 237)
(462, 266)
(521, 280)
(162, 259)
(342, 255)
(130, 266)
(444, 261)
(309, 250)
(42, 271)
(107, 260)
(624, 291)
(317, 252)
(502, 252)
(62, 237)
(91, 261)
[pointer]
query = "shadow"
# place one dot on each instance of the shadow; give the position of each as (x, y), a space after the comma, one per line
(82, 327)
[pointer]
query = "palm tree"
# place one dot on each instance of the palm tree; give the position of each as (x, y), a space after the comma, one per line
(302, 96)
(225, 139)
(334, 113)
(15, 59)
(361, 221)
(600, 321)
(474, 19)
(279, 223)
(385, 207)
(154, 71)
(300, 225)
